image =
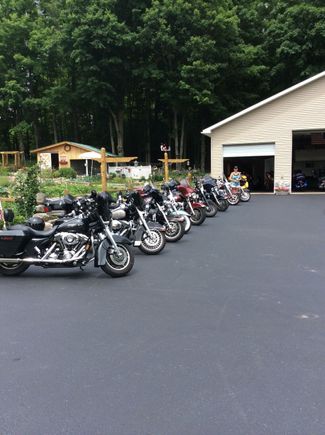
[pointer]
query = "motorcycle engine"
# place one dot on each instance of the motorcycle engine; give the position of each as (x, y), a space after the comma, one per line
(116, 225)
(70, 243)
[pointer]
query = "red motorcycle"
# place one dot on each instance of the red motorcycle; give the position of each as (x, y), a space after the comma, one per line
(192, 205)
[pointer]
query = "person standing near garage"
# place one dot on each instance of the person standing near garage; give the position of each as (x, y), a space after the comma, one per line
(235, 177)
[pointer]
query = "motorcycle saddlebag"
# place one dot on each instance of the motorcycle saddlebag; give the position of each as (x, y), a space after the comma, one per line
(12, 242)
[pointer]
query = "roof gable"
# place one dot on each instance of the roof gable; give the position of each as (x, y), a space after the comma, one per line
(75, 144)
(281, 94)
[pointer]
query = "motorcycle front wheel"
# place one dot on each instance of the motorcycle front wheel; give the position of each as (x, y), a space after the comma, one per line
(12, 269)
(233, 199)
(154, 243)
(199, 216)
(119, 263)
(245, 196)
(223, 204)
(175, 232)
(211, 209)
(188, 224)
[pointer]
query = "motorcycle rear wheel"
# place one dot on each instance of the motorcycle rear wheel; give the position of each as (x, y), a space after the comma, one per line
(13, 269)
(211, 209)
(199, 216)
(175, 232)
(119, 265)
(154, 244)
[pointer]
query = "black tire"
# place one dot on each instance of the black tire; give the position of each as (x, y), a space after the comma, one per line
(199, 216)
(245, 195)
(223, 204)
(13, 269)
(211, 209)
(153, 245)
(175, 232)
(233, 199)
(117, 266)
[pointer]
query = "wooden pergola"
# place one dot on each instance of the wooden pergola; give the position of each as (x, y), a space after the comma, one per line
(18, 157)
(103, 165)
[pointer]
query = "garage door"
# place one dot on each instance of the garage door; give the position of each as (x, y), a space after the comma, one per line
(249, 150)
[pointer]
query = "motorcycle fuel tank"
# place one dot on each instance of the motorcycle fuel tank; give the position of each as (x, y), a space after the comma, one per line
(73, 226)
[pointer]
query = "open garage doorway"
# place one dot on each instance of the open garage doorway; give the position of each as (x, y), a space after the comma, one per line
(308, 160)
(259, 170)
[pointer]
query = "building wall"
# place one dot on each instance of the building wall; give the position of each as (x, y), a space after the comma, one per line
(64, 155)
(302, 109)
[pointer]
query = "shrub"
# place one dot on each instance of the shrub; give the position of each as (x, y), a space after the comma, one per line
(4, 191)
(56, 174)
(25, 188)
(67, 173)
(157, 177)
(47, 173)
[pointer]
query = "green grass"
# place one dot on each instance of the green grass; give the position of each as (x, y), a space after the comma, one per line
(4, 180)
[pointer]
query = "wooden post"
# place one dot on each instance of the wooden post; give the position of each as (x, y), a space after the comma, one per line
(103, 169)
(3, 159)
(18, 160)
(166, 167)
(16, 165)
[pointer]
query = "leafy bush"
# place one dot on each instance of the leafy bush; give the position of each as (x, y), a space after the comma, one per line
(4, 191)
(67, 173)
(112, 175)
(157, 177)
(47, 173)
(56, 174)
(25, 188)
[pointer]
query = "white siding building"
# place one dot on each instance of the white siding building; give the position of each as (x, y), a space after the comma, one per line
(280, 134)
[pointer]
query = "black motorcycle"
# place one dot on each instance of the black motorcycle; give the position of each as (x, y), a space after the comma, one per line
(72, 242)
(157, 211)
(211, 206)
(130, 220)
(213, 193)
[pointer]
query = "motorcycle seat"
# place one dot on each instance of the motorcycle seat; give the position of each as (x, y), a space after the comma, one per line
(33, 234)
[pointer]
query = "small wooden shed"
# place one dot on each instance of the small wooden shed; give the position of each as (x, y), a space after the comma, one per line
(65, 154)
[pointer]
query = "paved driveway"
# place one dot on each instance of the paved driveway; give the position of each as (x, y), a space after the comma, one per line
(224, 333)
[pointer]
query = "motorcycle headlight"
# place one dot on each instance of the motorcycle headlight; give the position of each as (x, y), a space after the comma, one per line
(194, 196)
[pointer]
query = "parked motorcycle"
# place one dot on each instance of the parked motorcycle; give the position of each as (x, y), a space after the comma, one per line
(72, 242)
(197, 210)
(211, 206)
(213, 191)
(176, 207)
(232, 192)
(157, 211)
(244, 193)
(129, 220)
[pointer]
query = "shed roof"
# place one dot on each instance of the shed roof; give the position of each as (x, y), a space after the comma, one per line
(75, 144)
(209, 130)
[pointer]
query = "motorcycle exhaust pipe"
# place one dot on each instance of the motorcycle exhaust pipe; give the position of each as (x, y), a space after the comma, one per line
(40, 261)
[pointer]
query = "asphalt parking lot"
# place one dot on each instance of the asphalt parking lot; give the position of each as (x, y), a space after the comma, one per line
(223, 333)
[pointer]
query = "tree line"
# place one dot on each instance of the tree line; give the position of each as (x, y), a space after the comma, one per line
(130, 74)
